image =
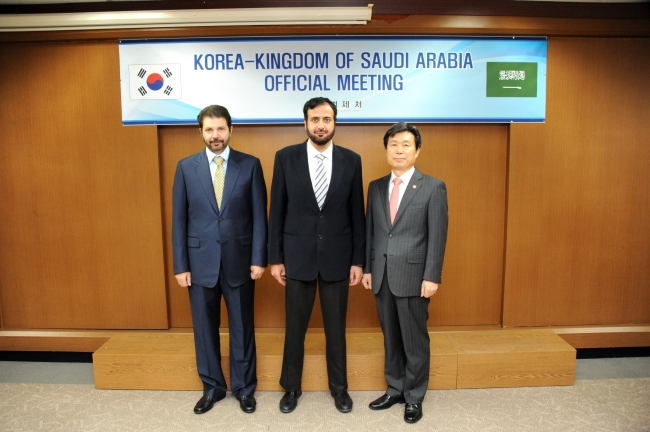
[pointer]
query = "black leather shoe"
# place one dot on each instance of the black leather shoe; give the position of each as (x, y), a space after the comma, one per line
(342, 402)
(412, 413)
(247, 403)
(289, 401)
(205, 404)
(386, 402)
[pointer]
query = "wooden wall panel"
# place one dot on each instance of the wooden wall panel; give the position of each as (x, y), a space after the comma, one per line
(472, 161)
(81, 226)
(81, 232)
(578, 249)
(177, 142)
(470, 158)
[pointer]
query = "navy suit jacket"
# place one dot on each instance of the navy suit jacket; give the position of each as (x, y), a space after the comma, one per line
(306, 239)
(203, 236)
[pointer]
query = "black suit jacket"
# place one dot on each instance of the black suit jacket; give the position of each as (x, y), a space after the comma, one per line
(306, 239)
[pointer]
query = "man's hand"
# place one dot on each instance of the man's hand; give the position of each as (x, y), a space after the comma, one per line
(355, 274)
(278, 272)
(367, 280)
(428, 288)
(184, 279)
(256, 272)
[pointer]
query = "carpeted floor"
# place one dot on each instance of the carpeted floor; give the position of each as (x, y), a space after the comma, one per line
(609, 395)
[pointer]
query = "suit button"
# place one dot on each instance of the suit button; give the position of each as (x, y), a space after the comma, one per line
(390, 235)
(219, 241)
(320, 237)
(321, 216)
(220, 219)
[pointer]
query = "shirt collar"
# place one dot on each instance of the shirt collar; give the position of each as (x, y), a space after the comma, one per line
(406, 177)
(311, 151)
(224, 154)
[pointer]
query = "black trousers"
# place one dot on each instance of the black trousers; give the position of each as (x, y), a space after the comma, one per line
(299, 303)
(406, 343)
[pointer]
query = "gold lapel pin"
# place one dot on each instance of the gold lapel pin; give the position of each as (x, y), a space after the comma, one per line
(414, 186)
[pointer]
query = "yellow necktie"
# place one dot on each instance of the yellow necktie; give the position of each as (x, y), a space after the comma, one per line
(218, 180)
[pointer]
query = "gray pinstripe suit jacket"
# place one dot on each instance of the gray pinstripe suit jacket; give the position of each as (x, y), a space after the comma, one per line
(413, 247)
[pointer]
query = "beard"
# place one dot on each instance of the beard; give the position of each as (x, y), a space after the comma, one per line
(217, 145)
(321, 141)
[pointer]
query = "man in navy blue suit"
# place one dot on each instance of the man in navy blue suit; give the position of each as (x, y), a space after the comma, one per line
(219, 231)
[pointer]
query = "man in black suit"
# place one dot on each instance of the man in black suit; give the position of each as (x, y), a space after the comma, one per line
(406, 234)
(219, 247)
(316, 238)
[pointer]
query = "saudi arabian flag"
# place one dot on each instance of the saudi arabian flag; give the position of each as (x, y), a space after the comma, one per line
(511, 79)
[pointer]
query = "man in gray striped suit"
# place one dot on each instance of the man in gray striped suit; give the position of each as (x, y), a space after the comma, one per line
(406, 234)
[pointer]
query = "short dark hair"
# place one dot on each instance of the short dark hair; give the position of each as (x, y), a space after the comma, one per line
(317, 101)
(217, 111)
(401, 127)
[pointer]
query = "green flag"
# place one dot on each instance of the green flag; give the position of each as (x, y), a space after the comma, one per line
(511, 79)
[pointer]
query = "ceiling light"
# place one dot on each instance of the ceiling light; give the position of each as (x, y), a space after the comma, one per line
(186, 18)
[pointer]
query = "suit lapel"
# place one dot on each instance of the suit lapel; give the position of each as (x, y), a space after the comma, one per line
(338, 169)
(301, 165)
(411, 189)
(383, 198)
(203, 173)
(232, 172)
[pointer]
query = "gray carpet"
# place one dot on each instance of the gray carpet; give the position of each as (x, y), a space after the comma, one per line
(609, 395)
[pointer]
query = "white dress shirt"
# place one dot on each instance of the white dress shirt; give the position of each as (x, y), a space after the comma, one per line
(313, 162)
(406, 178)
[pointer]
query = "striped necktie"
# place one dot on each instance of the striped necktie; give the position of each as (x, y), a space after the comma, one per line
(218, 180)
(320, 185)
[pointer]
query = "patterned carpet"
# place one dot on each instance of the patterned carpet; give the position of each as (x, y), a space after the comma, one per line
(590, 405)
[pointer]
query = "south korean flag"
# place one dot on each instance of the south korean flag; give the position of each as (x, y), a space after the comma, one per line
(155, 81)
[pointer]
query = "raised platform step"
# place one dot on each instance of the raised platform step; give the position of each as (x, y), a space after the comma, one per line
(474, 359)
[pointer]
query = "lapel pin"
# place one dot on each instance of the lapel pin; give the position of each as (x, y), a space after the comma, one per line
(414, 186)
